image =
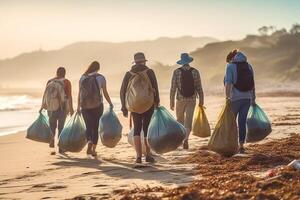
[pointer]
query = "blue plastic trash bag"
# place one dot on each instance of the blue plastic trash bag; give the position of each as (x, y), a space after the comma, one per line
(258, 124)
(110, 129)
(165, 134)
(72, 137)
(39, 131)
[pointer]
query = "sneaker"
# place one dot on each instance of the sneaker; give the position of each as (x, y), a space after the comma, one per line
(61, 151)
(94, 154)
(150, 159)
(89, 149)
(138, 160)
(185, 144)
(242, 150)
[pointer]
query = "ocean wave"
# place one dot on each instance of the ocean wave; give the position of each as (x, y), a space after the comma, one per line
(16, 103)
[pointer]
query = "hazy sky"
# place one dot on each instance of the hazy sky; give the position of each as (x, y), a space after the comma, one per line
(27, 25)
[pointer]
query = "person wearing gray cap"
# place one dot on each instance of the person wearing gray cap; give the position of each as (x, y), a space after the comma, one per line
(139, 94)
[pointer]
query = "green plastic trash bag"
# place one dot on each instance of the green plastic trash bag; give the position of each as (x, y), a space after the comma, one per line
(72, 137)
(258, 124)
(165, 134)
(110, 129)
(131, 140)
(39, 131)
(201, 126)
(224, 139)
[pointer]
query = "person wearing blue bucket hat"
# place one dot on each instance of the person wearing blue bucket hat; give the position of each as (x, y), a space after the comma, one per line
(185, 59)
(186, 86)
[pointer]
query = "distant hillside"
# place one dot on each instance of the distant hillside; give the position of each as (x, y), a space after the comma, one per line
(274, 58)
(31, 69)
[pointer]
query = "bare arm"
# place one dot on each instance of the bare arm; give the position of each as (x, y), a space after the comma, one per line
(106, 95)
(70, 100)
(78, 100)
(43, 100)
(228, 88)
(199, 89)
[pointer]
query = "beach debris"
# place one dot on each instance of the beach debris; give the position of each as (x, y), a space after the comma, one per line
(295, 164)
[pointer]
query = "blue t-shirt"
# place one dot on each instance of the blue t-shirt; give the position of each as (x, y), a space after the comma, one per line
(231, 78)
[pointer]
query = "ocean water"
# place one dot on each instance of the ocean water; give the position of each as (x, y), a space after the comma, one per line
(18, 112)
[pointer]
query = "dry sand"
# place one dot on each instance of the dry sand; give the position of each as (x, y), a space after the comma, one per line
(28, 171)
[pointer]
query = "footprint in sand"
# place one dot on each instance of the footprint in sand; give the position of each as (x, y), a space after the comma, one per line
(100, 185)
(56, 187)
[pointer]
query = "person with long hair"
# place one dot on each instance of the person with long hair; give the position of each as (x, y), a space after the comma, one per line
(92, 88)
(239, 90)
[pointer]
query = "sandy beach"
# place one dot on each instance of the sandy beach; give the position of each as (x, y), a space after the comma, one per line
(28, 171)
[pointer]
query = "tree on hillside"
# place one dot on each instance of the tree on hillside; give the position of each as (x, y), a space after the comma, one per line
(263, 30)
(266, 30)
(280, 32)
(295, 29)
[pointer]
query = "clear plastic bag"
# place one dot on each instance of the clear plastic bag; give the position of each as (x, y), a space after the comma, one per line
(258, 124)
(131, 140)
(165, 134)
(110, 129)
(201, 126)
(224, 139)
(72, 137)
(39, 130)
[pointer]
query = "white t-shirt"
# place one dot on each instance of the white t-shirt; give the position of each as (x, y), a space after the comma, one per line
(99, 78)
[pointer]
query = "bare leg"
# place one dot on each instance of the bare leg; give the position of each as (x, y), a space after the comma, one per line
(147, 147)
(94, 153)
(138, 146)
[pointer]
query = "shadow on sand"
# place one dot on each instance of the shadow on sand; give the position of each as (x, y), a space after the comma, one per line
(125, 170)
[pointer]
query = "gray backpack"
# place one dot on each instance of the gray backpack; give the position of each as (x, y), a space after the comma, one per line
(90, 96)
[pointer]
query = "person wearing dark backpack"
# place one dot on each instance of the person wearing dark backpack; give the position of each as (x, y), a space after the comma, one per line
(240, 90)
(90, 103)
(57, 100)
(139, 94)
(186, 82)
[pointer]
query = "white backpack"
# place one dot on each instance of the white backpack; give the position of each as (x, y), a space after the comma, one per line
(54, 96)
(140, 93)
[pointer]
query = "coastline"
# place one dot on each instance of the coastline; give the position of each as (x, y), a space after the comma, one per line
(28, 171)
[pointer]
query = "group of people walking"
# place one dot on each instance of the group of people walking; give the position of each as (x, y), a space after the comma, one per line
(139, 95)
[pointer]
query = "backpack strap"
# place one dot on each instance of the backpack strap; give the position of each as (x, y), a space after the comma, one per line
(147, 78)
(97, 85)
(62, 107)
